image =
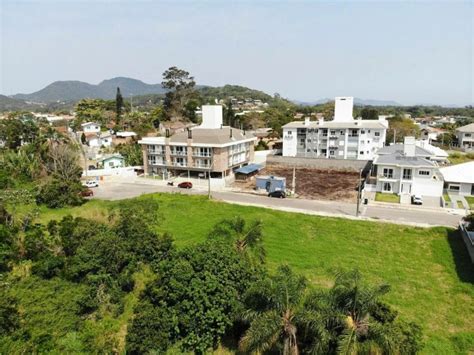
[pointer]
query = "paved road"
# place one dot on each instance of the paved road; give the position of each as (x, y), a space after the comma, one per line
(413, 215)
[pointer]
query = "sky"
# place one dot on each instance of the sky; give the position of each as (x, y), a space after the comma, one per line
(412, 52)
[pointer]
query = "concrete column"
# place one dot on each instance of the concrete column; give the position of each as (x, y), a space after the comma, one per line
(145, 159)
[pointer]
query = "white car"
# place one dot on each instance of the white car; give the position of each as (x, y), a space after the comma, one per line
(417, 200)
(91, 183)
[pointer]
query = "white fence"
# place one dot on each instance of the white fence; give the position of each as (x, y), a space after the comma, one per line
(126, 171)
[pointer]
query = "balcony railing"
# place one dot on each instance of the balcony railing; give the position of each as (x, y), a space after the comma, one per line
(202, 154)
(179, 152)
(156, 151)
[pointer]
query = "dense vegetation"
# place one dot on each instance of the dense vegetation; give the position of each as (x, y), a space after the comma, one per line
(110, 278)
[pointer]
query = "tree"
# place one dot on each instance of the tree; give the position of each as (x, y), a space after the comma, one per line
(229, 115)
(274, 310)
(132, 153)
(180, 86)
(118, 105)
(399, 128)
(63, 163)
(59, 193)
(246, 239)
(369, 113)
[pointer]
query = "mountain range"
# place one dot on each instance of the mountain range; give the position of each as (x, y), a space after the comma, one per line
(76, 90)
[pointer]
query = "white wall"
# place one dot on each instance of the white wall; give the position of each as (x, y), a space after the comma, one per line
(289, 142)
(211, 116)
(427, 187)
(343, 109)
(92, 128)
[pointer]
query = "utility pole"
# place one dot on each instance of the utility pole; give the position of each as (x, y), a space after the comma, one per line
(394, 136)
(294, 180)
(359, 192)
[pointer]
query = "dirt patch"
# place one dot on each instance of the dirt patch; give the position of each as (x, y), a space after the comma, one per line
(314, 183)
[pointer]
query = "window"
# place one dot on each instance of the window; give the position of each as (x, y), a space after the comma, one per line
(388, 173)
(362, 132)
(361, 152)
(454, 187)
(342, 133)
(424, 172)
(333, 133)
(467, 134)
(387, 187)
(302, 140)
(354, 133)
(289, 133)
(377, 134)
(406, 174)
(331, 152)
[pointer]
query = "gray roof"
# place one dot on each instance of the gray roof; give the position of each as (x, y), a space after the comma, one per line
(468, 128)
(402, 160)
(398, 148)
(213, 136)
(374, 124)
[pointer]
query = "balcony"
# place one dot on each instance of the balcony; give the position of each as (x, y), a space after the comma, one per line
(182, 165)
(202, 154)
(156, 151)
(179, 152)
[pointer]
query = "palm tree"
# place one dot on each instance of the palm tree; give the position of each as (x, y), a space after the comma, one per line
(356, 303)
(275, 313)
(246, 240)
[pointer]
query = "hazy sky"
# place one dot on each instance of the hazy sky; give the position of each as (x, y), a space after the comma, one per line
(410, 52)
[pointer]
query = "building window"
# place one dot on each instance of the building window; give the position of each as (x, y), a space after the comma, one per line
(333, 133)
(361, 152)
(289, 133)
(424, 172)
(362, 132)
(377, 134)
(406, 174)
(467, 134)
(454, 188)
(354, 133)
(331, 152)
(387, 187)
(388, 173)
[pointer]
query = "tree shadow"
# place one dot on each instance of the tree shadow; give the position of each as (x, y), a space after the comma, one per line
(462, 260)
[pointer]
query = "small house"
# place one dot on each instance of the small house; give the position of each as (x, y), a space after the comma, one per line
(90, 127)
(112, 161)
(271, 183)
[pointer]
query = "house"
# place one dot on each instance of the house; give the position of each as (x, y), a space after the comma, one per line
(465, 135)
(208, 147)
(459, 178)
(90, 127)
(112, 161)
(342, 138)
(431, 133)
(406, 169)
(101, 139)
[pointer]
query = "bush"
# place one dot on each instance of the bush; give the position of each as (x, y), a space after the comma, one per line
(58, 193)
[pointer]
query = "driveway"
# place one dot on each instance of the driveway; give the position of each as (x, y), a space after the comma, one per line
(115, 190)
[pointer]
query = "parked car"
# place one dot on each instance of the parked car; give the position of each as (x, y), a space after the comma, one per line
(277, 194)
(87, 193)
(416, 200)
(91, 183)
(185, 185)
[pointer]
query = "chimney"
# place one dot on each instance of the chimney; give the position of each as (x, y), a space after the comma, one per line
(306, 121)
(409, 147)
(343, 108)
(190, 134)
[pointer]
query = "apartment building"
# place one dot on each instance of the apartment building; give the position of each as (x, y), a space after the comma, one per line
(465, 135)
(342, 138)
(210, 147)
(406, 169)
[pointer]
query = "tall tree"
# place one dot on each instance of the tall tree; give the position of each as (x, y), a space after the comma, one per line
(180, 87)
(118, 105)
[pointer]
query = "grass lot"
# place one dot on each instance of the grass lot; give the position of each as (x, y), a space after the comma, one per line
(429, 270)
(460, 205)
(382, 197)
(459, 157)
(470, 201)
(446, 198)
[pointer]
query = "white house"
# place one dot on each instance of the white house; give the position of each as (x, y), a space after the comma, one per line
(459, 178)
(407, 169)
(90, 127)
(465, 135)
(342, 138)
(112, 161)
(100, 140)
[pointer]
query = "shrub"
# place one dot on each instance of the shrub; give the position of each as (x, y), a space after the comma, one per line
(58, 193)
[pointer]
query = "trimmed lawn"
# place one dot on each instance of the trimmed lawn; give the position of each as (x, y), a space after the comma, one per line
(429, 270)
(470, 201)
(446, 198)
(392, 198)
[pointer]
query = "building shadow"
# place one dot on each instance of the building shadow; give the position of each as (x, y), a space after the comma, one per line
(462, 261)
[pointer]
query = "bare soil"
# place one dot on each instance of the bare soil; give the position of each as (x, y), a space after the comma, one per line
(313, 183)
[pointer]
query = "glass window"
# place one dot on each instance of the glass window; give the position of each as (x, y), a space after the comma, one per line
(407, 174)
(388, 173)
(387, 187)
(377, 134)
(424, 172)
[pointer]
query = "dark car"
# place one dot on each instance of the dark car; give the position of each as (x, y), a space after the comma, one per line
(277, 194)
(87, 193)
(185, 185)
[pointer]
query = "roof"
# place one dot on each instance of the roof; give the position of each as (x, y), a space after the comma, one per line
(436, 151)
(248, 169)
(208, 137)
(402, 160)
(462, 173)
(467, 128)
(398, 148)
(125, 134)
(110, 156)
(374, 124)
(89, 123)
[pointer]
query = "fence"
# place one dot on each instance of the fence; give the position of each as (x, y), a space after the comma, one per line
(318, 163)
(468, 238)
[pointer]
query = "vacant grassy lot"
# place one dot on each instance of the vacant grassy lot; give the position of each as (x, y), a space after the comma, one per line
(392, 198)
(429, 270)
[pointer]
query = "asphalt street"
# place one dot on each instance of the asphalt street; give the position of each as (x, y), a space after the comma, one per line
(413, 215)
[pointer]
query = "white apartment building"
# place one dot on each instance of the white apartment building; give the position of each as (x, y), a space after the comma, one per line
(342, 138)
